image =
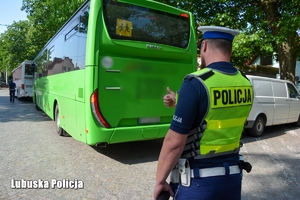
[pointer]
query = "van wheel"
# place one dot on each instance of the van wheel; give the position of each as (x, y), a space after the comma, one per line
(59, 129)
(298, 122)
(258, 127)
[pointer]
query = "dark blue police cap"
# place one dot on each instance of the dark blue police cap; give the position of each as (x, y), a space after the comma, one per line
(218, 32)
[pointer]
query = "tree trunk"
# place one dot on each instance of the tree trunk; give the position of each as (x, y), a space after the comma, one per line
(287, 59)
(286, 49)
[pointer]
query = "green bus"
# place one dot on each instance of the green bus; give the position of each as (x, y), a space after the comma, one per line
(103, 75)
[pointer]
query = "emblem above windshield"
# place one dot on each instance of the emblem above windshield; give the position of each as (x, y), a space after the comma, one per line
(150, 46)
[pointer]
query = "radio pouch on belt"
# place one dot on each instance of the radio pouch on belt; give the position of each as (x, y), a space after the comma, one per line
(185, 172)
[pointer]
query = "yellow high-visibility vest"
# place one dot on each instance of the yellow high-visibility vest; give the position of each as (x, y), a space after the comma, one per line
(230, 100)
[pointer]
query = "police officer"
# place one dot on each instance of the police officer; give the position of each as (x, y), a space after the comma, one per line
(12, 89)
(203, 140)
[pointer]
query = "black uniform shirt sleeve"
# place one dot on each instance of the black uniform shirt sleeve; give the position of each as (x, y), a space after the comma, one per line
(191, 106)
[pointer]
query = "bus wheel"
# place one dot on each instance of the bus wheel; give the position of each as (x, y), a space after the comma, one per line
(59, 129)
(36, 106)
(258, 127)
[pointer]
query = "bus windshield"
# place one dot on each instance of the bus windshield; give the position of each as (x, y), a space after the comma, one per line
(130, 22)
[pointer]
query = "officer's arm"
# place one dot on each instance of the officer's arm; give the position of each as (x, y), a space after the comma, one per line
(170, 153)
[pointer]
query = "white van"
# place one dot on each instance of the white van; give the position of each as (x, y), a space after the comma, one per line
(275, 102)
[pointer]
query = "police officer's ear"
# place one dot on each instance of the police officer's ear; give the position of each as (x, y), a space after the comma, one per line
(204, 45)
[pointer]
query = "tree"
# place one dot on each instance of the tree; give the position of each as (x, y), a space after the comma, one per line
(23, 40)
(267, 26)
(15, 46)
(48, 17)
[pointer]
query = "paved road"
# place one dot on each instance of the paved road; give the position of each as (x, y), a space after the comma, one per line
(30, 149)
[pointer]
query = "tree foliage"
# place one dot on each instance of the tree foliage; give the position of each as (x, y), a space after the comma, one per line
(267, 26)
(48, 16)
(24, 39)
(15, 44)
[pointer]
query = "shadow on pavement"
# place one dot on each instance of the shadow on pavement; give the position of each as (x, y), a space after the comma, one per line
(21, 110)
(272, 177)
(148, 151)
(270, 132)
(133, 152)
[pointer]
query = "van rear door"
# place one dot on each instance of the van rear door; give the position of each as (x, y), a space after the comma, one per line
(294, 103)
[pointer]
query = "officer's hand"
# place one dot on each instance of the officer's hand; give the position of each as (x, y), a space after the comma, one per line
(169, 99)
(162, 187)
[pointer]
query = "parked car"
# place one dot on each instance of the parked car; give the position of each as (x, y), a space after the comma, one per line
(3, 84)
(275, 102)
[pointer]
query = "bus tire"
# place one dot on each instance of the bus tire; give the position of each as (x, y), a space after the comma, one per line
(258, 127)
(59, 129)
(66, 134)
(36, 106)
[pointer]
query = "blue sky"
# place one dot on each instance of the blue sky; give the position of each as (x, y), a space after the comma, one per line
(10, 11)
